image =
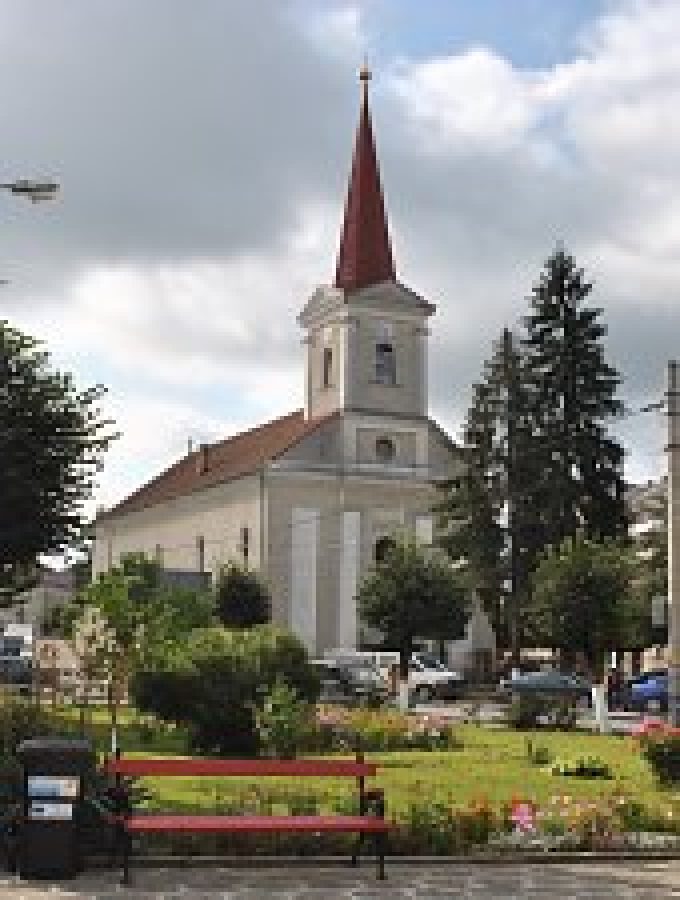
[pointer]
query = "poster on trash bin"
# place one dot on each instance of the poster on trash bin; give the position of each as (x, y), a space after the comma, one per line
(50, 811)
(47, 786)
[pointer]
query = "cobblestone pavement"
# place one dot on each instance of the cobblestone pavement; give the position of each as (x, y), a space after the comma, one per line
(614, 881)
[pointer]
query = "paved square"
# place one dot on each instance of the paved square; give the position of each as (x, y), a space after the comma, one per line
(614, 881)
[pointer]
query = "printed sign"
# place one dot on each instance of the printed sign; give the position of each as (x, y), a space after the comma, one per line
(49, 786)
(50, 811)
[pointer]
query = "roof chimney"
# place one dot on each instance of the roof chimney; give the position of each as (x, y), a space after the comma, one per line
(202, 459)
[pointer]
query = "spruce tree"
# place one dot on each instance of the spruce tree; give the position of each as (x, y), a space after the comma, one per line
(577, 466)
(483, 516)
(469, 510)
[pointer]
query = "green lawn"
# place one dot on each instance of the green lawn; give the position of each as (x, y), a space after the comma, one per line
(492, 766)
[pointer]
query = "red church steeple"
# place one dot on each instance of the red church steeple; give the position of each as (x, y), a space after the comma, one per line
(365, 256)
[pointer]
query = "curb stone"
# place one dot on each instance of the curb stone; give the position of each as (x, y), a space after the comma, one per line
(486, 859)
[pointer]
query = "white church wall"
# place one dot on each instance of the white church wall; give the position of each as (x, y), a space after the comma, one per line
(323, 446)
(217, 514)
(379, 506)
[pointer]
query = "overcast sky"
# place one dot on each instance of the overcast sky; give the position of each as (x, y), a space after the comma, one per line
(204, 150)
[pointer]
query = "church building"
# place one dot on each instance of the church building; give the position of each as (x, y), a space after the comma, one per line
(310, 498)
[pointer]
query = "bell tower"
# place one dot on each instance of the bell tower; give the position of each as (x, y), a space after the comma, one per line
(366, 335)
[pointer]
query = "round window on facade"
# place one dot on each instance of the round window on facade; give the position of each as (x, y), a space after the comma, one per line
(385, 449)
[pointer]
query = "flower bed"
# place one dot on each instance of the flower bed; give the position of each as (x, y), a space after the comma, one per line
(427, 827)
(370, 730)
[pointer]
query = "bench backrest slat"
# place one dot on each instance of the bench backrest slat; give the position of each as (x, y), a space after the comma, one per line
(254, 767)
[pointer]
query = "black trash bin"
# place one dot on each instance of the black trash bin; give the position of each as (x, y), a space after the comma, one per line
(54, 771)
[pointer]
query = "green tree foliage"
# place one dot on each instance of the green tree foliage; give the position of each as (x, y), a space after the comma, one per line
(142, 622)
(540, 463)
(580, 599)
(485, 521)
(469, 510)
(577, 466)
(219, 684)
(52, 440)
(242, 599)
(411, 593)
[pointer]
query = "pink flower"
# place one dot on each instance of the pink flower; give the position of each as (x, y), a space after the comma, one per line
(524, 817)
(648, 726)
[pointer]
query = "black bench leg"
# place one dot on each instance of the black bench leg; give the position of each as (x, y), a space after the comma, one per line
(126, 847)
(357, 848)
(380, 848)
(11, 849)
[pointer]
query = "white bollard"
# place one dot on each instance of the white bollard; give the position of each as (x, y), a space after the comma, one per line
(403, 694)
(600, 709)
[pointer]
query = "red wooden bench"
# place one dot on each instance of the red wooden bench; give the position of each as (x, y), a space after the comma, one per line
(370, 820)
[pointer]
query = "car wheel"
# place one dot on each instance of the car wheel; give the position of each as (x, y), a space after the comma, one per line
(422, 694)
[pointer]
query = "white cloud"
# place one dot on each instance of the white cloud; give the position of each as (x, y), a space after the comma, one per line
(202, 211)
(461, 100)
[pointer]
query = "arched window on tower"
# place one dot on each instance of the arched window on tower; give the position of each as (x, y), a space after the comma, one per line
(385, 360)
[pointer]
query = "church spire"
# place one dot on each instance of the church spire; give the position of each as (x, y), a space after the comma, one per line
(365, 255)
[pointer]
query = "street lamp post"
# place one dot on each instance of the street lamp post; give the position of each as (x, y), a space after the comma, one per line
(673, 450)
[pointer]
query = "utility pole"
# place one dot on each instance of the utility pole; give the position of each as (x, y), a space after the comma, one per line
(673, 450)
(511, 390)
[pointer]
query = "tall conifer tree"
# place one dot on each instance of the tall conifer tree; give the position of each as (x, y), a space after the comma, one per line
(577, 466)
(470, 509)
(482, 514)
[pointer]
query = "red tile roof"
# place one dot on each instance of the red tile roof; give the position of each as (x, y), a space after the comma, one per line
(231, 458)
(365, 256)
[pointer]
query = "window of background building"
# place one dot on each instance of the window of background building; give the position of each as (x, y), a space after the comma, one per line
(200, 551)
(245, 543)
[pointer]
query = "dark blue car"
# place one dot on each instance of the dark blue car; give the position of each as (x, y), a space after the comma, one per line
(648, 692)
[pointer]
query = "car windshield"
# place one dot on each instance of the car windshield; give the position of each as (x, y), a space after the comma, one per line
(429, 661)
(360, 665)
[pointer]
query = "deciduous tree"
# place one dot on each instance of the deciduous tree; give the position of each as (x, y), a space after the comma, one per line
(411, 593)
(52, 440)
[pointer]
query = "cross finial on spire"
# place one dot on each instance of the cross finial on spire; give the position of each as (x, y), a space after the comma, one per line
(365, 76)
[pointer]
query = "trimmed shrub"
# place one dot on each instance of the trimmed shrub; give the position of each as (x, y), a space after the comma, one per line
(221, 684)
(284, 721)
(19, 721)
(530, 711)
(661, 748)
(242, 599)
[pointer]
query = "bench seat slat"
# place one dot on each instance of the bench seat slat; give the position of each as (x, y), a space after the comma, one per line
(153, 823)
(251, 767)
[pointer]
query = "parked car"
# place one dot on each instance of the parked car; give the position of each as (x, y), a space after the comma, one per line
(429, 679)
(647, 692)
(548, 681)
(349, 685)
